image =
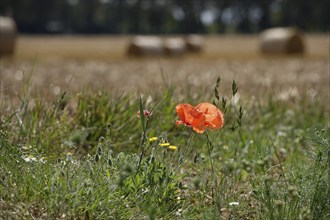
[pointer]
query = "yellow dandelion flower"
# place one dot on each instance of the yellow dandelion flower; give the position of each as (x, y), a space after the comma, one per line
(172, 147)
(164, 144)
(153, 139)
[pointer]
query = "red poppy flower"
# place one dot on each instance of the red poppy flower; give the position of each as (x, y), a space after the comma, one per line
(200, 117)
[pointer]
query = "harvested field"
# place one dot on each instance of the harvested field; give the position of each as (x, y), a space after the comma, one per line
(72, 120)
(75, 63)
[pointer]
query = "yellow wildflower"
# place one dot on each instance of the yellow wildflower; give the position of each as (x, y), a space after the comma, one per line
(172, 147)
(153, 139)
(164, 144)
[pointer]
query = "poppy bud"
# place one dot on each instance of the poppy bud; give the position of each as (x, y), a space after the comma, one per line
(146, 113)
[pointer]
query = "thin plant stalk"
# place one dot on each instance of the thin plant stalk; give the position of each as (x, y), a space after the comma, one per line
(215, 179)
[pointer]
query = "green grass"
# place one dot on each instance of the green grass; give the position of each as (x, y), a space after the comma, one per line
(94, 160)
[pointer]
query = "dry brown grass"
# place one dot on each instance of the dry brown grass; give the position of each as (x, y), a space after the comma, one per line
(101, 62)
(114, 47)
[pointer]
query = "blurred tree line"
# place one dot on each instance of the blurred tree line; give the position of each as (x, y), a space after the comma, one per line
(165, 16)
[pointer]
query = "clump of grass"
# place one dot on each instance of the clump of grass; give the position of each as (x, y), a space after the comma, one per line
(318, 143)
(99, 160)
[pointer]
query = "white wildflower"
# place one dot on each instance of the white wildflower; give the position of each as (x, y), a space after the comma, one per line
(233, 203)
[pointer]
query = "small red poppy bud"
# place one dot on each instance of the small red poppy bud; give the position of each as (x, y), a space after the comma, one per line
(146, 113)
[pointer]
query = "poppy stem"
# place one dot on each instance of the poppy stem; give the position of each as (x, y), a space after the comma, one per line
(144, 122)
(142, 146)
(215, 179)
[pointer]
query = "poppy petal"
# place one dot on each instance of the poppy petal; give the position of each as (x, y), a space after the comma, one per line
(213, 116)
(201, 117)
(178, 122)
(199, 130)
(189, 115)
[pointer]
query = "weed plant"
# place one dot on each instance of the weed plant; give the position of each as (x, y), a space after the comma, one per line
(98, 160)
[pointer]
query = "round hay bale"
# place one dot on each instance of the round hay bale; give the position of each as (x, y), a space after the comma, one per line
(194, 43)
(8, 33)
(145, 46)
(174, 46)
(282, 41)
